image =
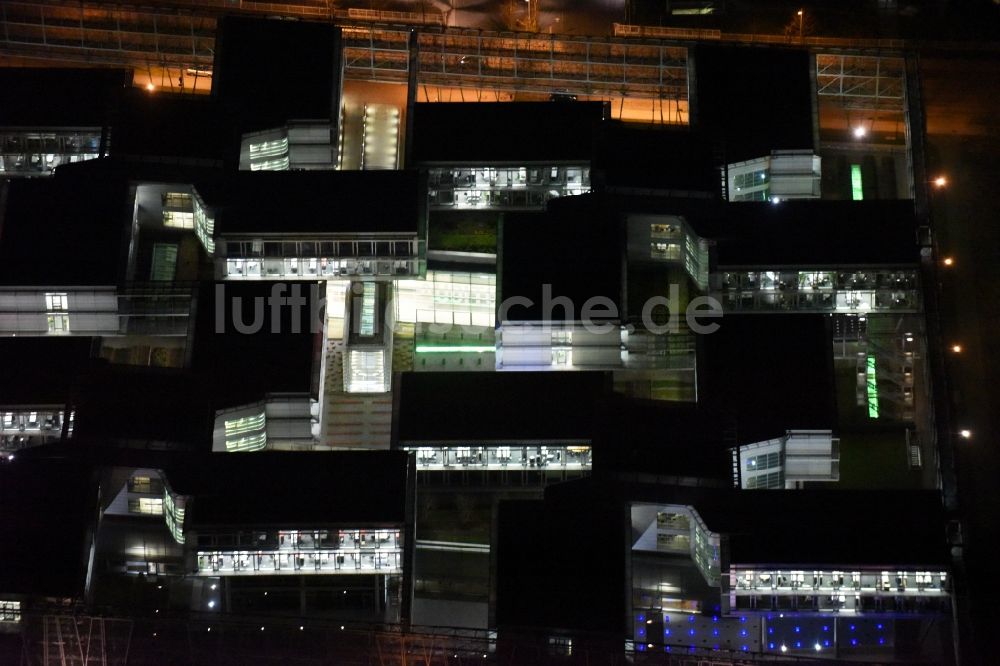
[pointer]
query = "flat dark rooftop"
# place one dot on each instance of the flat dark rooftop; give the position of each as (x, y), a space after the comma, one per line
(64, 230)
(47, 508)
(497, 406)
(53, 97)
(575, 248)
(268, 71)
(561, 565)
(41, 370)
(292, 489)
(138, 169)
(117, 403)
(789, 233)
(814, 233)
(165, 127)
(803, 527)
(289, 202)
(630, 156)
(822, 527)
(877, 527)
(242, 367)
(769, 374)
(754, 100)
(483, 133)
(657, 437)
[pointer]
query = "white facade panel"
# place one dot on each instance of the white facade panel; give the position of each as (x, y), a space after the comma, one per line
(596, 356)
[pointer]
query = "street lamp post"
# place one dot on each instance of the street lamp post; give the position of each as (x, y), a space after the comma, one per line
(800, 24)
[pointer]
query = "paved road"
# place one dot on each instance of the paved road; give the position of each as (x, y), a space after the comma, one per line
(963, 107)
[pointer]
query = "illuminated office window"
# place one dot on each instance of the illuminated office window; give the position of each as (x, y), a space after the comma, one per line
(204, 226)
(245, 424)
(562, 338)
(140, 484)
(562, 357)
(173, 514)
(658, 250)
(246, 444)
(178, 220)
(177, 200)
(763, 461)
(58, 323)
(277, 164)
(269, 148)
(10, 611)
(56, 301)
(150, 506)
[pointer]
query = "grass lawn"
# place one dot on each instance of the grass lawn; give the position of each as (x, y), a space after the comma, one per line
(463, 231)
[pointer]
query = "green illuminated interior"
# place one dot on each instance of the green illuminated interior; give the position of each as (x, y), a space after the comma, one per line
(445, 349)
(856, 189)
(871, 381)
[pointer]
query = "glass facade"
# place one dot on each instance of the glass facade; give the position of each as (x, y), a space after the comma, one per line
(56, 301)
(57, 320)
(669, 239)
(39, 152)
(366, 326)
(25, 427)
(811, 590)
(204, 225)
(871, 387)
(505, 187)
(787, 461)
(151, 308)
(10, 611)
(502, 457)
(298, 552)
(246, 444)
(676, 528)
(164, 266)
(784, 174)
(246, 434)
(365, 372)
(296, 146)
(705, 550)
(174, 514)
(763, 461)
(178, 220)
(868, 290)
(445, 297)
(152, 506)
(320, 257)
(268, 150)
(178, 210)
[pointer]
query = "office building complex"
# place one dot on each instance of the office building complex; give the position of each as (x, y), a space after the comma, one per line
(303, 361)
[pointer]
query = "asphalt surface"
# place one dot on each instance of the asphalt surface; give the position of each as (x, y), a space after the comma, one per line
(962, 101)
